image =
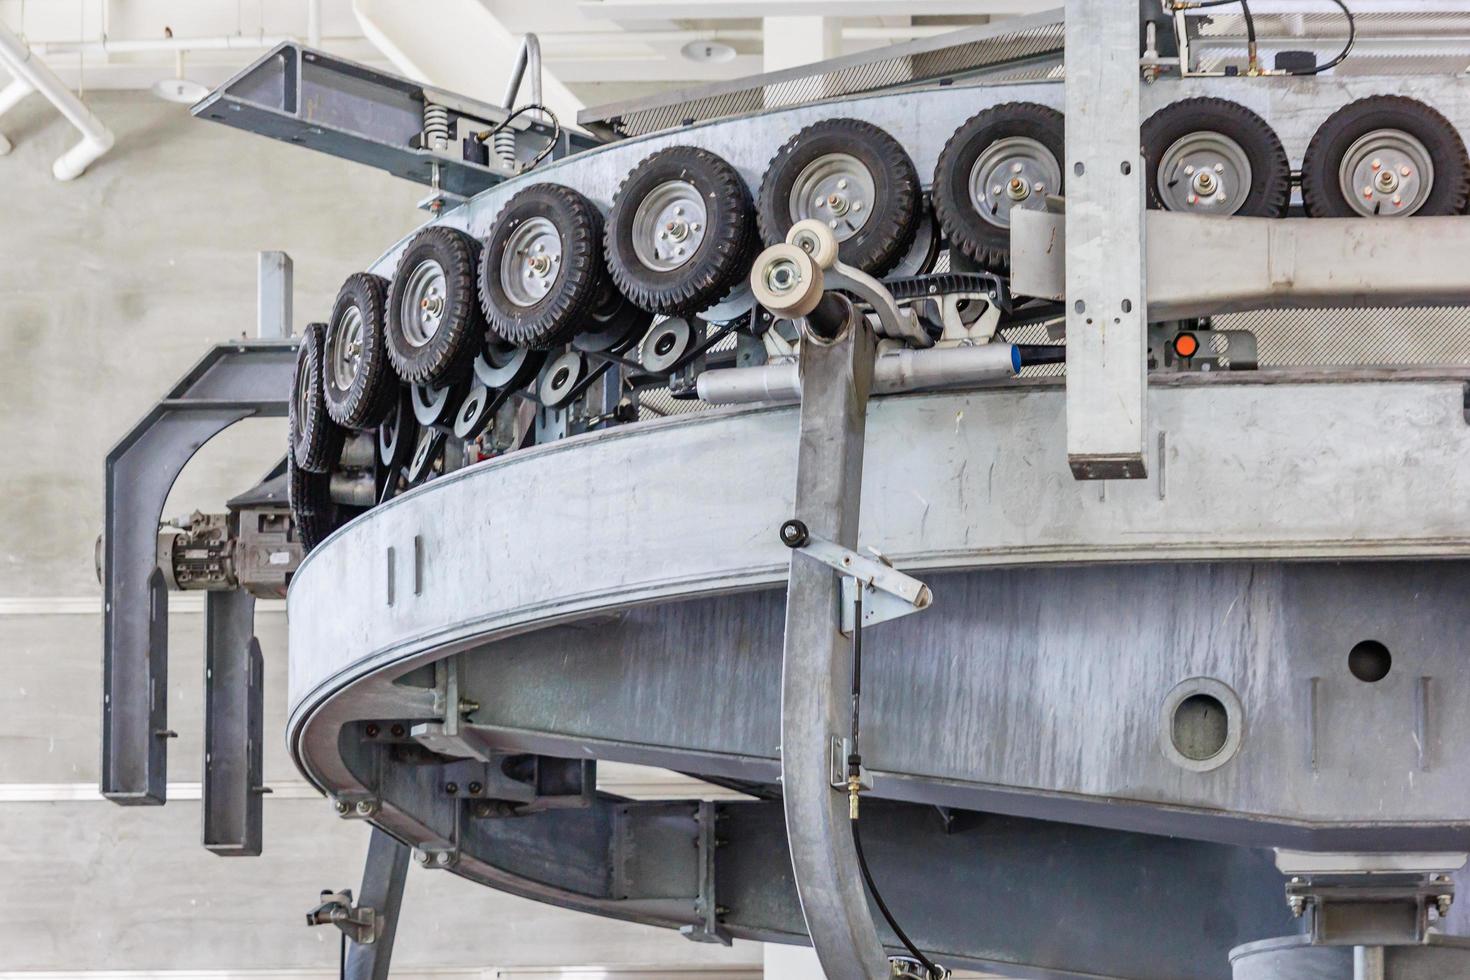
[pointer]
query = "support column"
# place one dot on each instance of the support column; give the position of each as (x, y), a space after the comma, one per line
(382, 891)
(817, 659)
(1107, 334)
(790, 42)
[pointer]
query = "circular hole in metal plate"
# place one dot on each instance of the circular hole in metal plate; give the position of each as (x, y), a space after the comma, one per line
(1369, 661)
(1201, 724)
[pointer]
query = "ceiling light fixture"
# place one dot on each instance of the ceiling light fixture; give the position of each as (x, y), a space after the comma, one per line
(708, 52)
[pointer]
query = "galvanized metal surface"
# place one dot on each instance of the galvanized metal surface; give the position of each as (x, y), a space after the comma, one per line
(660, 511)
(383, 874)
(1107, 334)
(234, 719)
(816, 662)
(1291, 958)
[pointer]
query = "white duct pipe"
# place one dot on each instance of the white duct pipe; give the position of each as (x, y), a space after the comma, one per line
(96, 138)
(314, 23)
(10, 97)
(226, 42)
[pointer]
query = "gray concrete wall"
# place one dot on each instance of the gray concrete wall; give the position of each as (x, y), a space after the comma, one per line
(110, 288)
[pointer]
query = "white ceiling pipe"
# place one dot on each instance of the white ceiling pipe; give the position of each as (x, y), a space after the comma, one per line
(314, 23)
(227, 42)
(96, 137)
(10, 97)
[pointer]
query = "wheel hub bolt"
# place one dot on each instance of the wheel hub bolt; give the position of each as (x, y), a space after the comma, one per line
(540, 265)
(1204, 183)
(1018, 189)
(1388, 180)
(677, 229)
(837, 202)
(432, 304)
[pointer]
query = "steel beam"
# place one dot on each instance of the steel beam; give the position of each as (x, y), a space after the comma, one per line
(232, 382)
(234, 695)
(817, 658)
(1107, 332)
(383, 875)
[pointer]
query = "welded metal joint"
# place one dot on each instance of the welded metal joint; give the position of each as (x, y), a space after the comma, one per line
(706, 905)
(887, 593)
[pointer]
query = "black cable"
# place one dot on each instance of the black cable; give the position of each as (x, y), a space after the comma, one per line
(342, 958)
(1250, 23)
(1346, 48)
(857, 844)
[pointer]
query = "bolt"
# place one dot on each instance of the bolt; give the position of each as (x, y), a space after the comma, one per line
(842, 184)
(1442, 904)
(1368, 192)
(1219, 168)
(1405, 171)
(1015, 168)
(1297, 906)
(1191, 199)
(1398, 202)
(995, 190)
(366, 808)
(451, 788)
(398, 731)
(475, 789)
(1377, 164)
(342, 806)
(782, 276)
(372, 730)
(442, 859)
(1189, 170)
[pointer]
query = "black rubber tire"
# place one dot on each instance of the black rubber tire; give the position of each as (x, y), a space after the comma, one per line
(312, 509)
(723, 258)
(451, 351)
(563, 311)
(1270, 193)
(369, 398)
(894, 217)
(1321, 190)
(986, 244)
(315, 440)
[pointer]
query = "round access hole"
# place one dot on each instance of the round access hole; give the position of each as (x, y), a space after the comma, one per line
(1201, 724)
(1200, 728)
(1369, 661)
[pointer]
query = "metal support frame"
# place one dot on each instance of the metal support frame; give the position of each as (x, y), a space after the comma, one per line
(274, 296)
(231, 382)
(234, 698)
(817, 659)
(370, 926)
(1107, 335)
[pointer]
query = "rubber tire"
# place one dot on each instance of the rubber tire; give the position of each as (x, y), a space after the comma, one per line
(315, 440)
(894, 219)
(722, 260)
(370, 397)
(1270, 193)
(1321, 192)
(450, 353)
(563, 311)
(312, 510)
(988, 245)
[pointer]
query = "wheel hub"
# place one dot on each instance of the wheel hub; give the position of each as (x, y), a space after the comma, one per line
(531, 261)
(346, 348)
(669, 225)
(835, 188)
(1204, 172)
(424, 302)
(1385, 173)
(1014, 172)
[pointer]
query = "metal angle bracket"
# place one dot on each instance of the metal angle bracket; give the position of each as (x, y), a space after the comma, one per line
(886, 592)
(358, 923)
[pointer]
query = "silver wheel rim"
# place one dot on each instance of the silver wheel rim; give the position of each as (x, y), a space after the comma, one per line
(1015, 172)
(835, 188)
(1386, 173)
(1204, 173)
(303, 392)
(346, 348)
(424, 299)
(669, 225)
(531, 262)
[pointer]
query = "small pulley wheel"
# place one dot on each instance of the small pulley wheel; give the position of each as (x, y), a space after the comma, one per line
(433, 406)
(1005, 159)
(1215, 157)
(855, 178)
(1385, 156)
(615, 324)
(427, 449)
(681, 232)
(503, 365)
(357, 379)
(541, 270)
(315, 440)
(397, 434)
(786, 279)
(665, 345)
(473, 412)
(434, 323)
(560, 378)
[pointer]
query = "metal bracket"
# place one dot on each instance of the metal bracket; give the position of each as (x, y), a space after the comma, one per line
(709, 930)
(841, 750)
(371, 925)
(887, 593)
(357, 922)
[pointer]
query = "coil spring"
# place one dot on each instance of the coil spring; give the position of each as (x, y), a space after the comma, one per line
(505, 145)
(436, 126)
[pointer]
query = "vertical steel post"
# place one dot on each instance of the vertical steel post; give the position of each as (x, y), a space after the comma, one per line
(382, 891)
(817, 659)
(273, 296)
(1107, 332)
(234, 698)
